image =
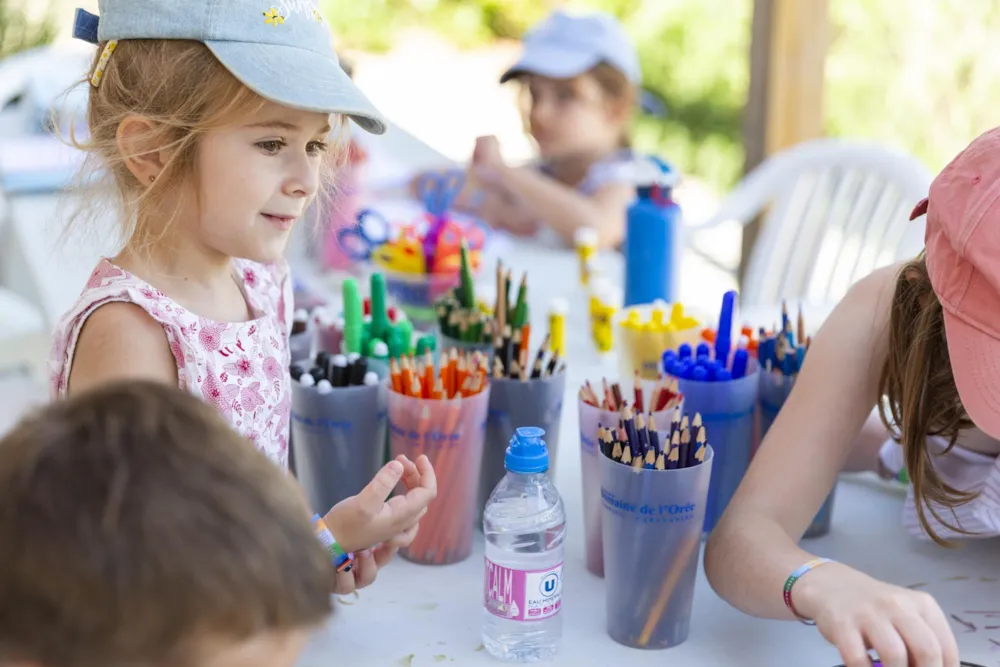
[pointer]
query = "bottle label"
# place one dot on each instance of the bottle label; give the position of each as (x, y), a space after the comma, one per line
(522, 595)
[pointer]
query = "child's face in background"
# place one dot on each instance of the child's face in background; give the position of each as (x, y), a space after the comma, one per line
(256, 179)
(572, 117)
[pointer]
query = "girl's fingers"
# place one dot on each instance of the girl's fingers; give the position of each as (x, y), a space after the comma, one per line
(384, 553)
(922, 646)
(365, 568)
(884, 638)
(343, 583)
(851, 645)
(932, 614)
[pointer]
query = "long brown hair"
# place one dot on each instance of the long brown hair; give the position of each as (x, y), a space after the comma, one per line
(920, 395)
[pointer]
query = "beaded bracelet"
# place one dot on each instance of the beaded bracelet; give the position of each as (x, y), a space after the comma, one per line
(341, 560)
(795, 576)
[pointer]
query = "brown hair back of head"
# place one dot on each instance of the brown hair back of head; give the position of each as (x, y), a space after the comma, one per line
(184, 92)
(921, 397)
(134, 521)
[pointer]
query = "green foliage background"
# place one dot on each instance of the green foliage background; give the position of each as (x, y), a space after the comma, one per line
(921, 76)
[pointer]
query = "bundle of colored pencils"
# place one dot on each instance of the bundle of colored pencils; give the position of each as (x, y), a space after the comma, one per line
(666, 395)
(460, 375)
(782, 352)
(511, 359)
(637, 443)
(460, 317)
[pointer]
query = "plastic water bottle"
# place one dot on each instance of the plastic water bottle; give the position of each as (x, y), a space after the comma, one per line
(653, 240)
(525, 524)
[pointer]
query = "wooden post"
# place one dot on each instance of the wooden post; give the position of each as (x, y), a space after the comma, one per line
(785, 102)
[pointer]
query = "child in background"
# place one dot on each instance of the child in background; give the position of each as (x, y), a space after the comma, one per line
(580, 76)
(919, 340)
(137, 528)
(213, 122)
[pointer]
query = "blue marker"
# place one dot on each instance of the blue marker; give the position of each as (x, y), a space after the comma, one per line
(723, 375)
(740, 361)
(725, 330)
(699, 374)
(703, 350)
(684, 351)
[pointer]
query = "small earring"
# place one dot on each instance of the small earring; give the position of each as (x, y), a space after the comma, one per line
(152, 179)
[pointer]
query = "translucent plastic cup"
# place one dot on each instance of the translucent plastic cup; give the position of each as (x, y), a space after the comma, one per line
(337, 440)
(652, 525)
(451, 433)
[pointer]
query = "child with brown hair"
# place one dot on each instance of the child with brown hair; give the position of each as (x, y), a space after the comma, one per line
(920, 341)
(580, 77)
(137, 528)
(212, 122)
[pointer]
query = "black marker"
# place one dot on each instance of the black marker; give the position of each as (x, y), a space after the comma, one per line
(338, 371)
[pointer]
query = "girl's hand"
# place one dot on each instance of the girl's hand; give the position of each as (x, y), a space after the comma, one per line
(487, 153)
(855, 612)
(367, 519)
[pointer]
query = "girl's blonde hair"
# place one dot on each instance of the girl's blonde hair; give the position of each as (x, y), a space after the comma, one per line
(183, 92)
(922, 399)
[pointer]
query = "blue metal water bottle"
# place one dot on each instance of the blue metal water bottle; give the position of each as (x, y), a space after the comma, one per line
(653, 240)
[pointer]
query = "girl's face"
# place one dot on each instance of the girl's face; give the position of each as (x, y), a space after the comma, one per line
(572, 117)
(256, 179)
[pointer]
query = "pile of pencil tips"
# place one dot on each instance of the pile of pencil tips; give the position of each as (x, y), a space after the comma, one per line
(658, 320)
(511, 359)
(371, 331)
(461, 374)
(332, 371)
(712, 363)
(638, 443)
(464, 319)
(665, 396)
(784, 351)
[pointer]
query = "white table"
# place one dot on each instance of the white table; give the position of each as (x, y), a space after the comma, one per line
(425, 615)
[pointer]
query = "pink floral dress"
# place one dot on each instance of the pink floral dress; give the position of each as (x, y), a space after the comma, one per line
(239, 367)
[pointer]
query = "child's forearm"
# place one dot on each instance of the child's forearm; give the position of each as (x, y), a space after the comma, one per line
(748, 559)
(560, 207)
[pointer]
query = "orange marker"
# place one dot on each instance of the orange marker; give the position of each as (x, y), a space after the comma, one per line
(394, 374)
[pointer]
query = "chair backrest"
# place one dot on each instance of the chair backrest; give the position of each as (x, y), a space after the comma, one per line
(834, 211)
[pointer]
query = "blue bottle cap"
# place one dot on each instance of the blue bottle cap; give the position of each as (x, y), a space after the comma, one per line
(527, 452)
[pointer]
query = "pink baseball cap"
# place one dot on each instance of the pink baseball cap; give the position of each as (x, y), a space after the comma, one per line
(963, 260)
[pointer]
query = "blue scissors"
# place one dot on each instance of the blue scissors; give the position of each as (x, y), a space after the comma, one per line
(438, 191)
(360, 241)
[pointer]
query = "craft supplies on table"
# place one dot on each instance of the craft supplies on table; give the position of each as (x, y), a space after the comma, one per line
(654, 486)
(644, 332)
(722, 384)
(781, 353)
(653, 242)
(528, 392)
(608, 408)
(338, 427)
(420, 261)
(441, 411)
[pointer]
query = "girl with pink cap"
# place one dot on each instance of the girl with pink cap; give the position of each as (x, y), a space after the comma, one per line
(919, 341)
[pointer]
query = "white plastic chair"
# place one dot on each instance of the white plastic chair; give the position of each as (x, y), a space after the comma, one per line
(834, 211)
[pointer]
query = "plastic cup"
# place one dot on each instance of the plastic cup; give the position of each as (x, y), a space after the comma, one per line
(590, 418)
(337, 440)
(416, 293)
(513, 404)
(774, 391)
(300, 345)
(652, 525)
(727, 411)
(450, 433)
(642, 349)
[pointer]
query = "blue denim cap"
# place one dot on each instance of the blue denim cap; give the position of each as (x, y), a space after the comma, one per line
(566, 45)
(280, 49)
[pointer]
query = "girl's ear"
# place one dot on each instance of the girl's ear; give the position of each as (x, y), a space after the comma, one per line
(142, 148)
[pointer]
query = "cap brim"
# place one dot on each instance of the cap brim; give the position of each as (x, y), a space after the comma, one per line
(299, 79)
(550, 62)
(975, 364)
